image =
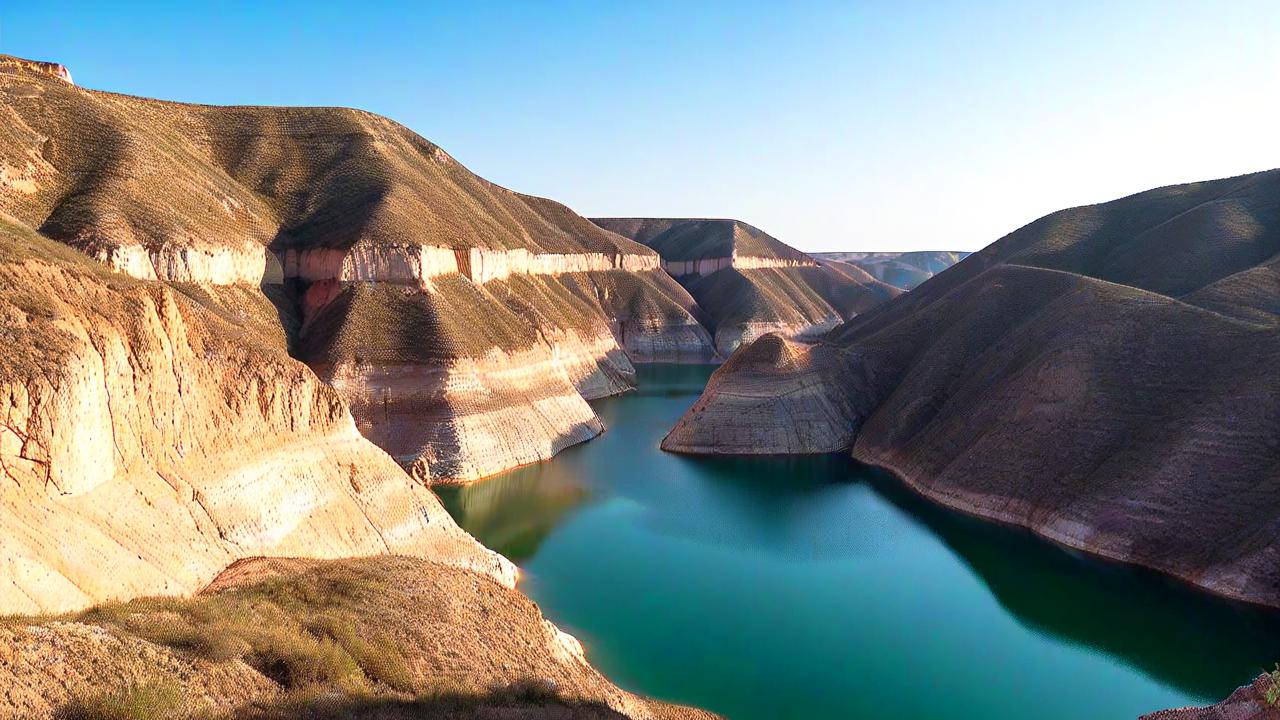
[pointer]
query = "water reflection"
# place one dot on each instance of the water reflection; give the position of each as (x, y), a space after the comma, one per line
(514, 514)
(703, 580)
(1185, 638)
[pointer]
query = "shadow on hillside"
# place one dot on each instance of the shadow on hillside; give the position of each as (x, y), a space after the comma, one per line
(526, 699)
(533, 699)
(1191, 640)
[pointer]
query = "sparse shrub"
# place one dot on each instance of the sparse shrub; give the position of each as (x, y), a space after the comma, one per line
(146, 701)
(296, 659)
(378, 658)
(1271, 693)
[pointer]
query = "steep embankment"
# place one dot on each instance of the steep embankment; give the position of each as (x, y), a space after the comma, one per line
(748, 283)
(350, 225)
(903, 270)
(378, 638)
(1104, 376)
(148, 442)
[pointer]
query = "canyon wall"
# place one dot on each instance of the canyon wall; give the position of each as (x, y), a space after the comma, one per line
(1103, 376)
(137, 421)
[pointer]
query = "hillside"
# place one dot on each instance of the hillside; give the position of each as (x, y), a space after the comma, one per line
(1104, 376)
(748, 283)
(465, 324)
(292, 639)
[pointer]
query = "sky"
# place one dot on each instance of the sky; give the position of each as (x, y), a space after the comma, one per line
(833, 126)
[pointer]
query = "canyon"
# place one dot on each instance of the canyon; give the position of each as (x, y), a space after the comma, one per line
(465, 325)
(242, 342)
(186, 503)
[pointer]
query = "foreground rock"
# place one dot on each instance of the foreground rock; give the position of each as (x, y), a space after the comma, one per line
(748, 283)
(1247, 703)
(386, 637)
(491, 316)
(1104, 376)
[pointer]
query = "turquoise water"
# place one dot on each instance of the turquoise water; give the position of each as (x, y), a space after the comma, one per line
(815, 588)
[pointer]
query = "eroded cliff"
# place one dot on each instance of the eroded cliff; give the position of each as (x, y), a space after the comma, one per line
(1103, 376)
(148, 443)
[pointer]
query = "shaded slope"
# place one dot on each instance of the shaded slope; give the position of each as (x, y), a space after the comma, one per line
(1070, 378)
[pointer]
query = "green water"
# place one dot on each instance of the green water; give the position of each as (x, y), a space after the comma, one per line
(814, 588)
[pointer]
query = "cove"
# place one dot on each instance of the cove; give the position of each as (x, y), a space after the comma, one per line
(817, 588)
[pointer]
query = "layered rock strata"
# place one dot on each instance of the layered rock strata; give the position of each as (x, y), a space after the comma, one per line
(302, 207)
(137, 421)
(749, 283)
(1104, 376)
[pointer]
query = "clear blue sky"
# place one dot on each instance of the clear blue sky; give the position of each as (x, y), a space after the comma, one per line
(874, 125)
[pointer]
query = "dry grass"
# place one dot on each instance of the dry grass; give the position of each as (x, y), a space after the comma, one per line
(300, 632)
(153, 701)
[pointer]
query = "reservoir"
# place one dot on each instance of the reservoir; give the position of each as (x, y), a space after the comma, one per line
(817, 588)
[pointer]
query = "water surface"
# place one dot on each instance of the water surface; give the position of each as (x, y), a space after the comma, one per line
(816, 588)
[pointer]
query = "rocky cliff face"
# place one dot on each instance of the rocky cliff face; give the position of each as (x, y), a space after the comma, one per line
(1103, 376)
(338, 218)
(748, 283)
(137, 421)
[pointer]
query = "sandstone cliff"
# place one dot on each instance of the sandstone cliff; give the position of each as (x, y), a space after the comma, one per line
(148, 442)
(748, 283)
(519, 309)
(1104, 376)
(386, 637)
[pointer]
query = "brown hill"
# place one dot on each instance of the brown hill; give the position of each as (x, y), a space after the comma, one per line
(1104, 376)
(410, 284)
(748, 283)
(389, 637)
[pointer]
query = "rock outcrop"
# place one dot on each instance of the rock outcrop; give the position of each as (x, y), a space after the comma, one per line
(489, 317)
(1104, 376)
(1246, 703)
(903, 270)
(277, 638)
(748, 283)
(148, 442)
